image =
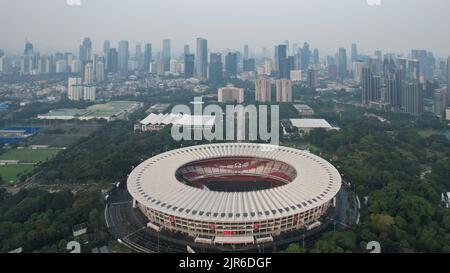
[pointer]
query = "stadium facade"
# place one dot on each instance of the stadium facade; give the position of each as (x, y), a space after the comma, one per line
(234, 193)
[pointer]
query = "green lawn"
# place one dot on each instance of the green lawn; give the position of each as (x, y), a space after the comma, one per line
(12, 172)
(428, 133)
(28, 155)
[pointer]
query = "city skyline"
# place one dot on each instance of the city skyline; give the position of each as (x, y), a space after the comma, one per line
(334, 24)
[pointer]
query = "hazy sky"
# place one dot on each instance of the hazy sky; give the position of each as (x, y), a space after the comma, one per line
(395, 26)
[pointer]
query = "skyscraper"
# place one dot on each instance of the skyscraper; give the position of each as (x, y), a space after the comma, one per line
(249, 65)
(86, 50)
(123, 57)
(263, 89)
(412, 98)
(393, 89)
(316, 59)
(246, 52)
(106, 48)
(100, 72)
(354, 52)
(312, 78)
(166, 54)
(201, 62)
(284, 90)
(147, 57)
(75, 88)
(231, 65)
(440, 102)
(88, 73)
(342, 64)
(367, 85)
(113, 61)
(281, 58)
(139, 56)
(89, 93)
(187, 50)
(28, 48)
(448, 81)
(305, 56)
(215, 68)
(189, 65)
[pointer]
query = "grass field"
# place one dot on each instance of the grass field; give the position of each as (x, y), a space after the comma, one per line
(12, 172)
(29, 155)
(428, 133)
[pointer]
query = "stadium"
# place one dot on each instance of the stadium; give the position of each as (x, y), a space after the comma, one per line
(234, 193)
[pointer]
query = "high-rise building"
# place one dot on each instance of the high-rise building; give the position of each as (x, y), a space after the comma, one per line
(75, 89)
(28, 48)
(448, 81)
(123, 57)
(414, 69)
(354, 52)
(106, 48)
(367, 85)
(230, 94)
(281, 61)
(440, 102)
(187, 50)
(215, 68)
(147, 57)
(305, 56)
(113, 61)
(166, 54)
(263, 90)
(76, 66)
(231, 65)
(201, 62)
(246, 52)
(412, 98)
(100, 72)
(3, 64)
(61, 66)
(284, 90)
(342, 64)
(89, 93)
(139, 56)
(88, 73)
(316, 59)
(249, 65)
(393, 89)
(189, 65)
(312, 78)
(85, 53)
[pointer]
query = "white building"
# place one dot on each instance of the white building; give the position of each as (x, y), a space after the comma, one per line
(263, 90)
(60, 66)
(89, 73)
(100, 72)
(230, 94)
(76, 66)
(284, 90)
(296, 75)
(89, 93)
(307, 125)
(75, 89)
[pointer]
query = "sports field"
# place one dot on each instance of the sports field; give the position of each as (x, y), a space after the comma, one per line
(10, 173)
(29, 155)
(27, 158)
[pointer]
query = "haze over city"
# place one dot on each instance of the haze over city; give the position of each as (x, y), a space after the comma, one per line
(327, 24)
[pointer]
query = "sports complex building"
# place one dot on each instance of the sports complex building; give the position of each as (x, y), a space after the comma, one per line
(234, 193)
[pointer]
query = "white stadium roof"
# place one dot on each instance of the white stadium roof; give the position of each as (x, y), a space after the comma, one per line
(310, 123)
(187, 120)
(154, 185)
